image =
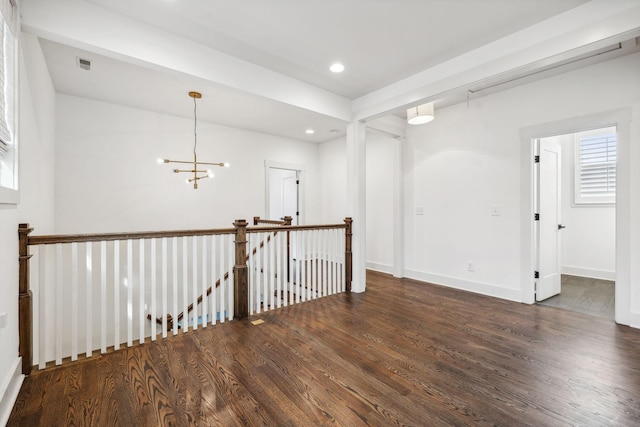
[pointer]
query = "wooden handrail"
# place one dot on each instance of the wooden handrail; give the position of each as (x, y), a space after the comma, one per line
(295, 227)
(71, 238)
(285, 221)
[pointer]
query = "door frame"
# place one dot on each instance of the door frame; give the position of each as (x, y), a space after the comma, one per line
(622, 119)
(269, 164)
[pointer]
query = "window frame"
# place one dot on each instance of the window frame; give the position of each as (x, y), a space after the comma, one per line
(579, 199)
(9, 186)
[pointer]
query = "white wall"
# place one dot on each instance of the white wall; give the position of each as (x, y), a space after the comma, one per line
(380, 173)
(469, 160)
(332, 159)
(333, 164)
(107, 178)
(589, 241)
(36, 116)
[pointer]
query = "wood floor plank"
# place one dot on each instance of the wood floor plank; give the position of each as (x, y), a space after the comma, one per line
(402, 353)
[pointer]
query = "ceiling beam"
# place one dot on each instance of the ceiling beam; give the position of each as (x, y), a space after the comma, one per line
(89, 27)
(589, 26)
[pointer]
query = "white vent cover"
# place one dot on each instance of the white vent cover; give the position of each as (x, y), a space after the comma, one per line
(85, 64)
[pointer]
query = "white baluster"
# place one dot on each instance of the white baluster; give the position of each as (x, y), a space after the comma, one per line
(141, 292)
(270, 269)
(59, 298)
(185, 286)
(223, 305)
(74, 301)
(230, 261)
(154, 295)
(250, 265)
(43, 306)
(204, 282)
(89, 296)
(258, 285)
(174, 272)
(103, 296)
(278, 273)
(214, 291)
(165, 305)
(194, 280)
(129, 293)
(116, 294)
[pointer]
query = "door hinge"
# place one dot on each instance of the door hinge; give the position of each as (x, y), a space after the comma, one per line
(536, 159)
(297, 213)
(536, 217)
(298, 182)
(536, 274)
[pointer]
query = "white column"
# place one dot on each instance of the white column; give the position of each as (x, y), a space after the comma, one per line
(357, 200)
(398, 209)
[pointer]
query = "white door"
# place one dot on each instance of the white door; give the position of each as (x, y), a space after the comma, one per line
(290, 198)
(549, 227)
(283, 194)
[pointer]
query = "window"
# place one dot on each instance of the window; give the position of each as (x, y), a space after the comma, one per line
(595, 166)
(8, 81)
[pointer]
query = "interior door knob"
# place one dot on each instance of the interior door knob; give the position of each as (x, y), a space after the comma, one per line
(560, 226)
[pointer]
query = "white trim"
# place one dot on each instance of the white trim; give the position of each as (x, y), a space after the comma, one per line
(634, 320)
(382, 268)
(588, 272)
(9, 391)
(269, 164)
(466, 285)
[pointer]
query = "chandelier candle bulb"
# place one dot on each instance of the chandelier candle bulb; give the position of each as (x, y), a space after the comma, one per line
(198, 174)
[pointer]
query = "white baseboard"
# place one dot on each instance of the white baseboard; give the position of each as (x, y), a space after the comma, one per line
(9, 391)
(383, 268)
(466, 285)
(634, 320)
(588, 272)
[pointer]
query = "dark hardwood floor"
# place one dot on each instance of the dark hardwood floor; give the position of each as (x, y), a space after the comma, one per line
(402, 353)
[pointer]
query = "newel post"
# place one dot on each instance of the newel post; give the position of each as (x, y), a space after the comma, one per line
(347, 253)
(25, 315)
(287, 220)
(240, 272)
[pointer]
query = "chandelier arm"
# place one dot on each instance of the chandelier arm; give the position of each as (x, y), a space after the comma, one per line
(180, 161)
(212, 164)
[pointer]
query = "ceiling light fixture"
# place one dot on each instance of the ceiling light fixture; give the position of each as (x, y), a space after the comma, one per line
(337, 67)
(309, 131)
(420, 114)
(198, 174)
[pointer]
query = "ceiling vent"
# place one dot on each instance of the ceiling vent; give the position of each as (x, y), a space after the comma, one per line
(85, 64)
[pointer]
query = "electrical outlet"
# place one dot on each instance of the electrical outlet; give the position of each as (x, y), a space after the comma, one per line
(471, 266)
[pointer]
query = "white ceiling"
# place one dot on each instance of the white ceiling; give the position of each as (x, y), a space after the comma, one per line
(380, 42)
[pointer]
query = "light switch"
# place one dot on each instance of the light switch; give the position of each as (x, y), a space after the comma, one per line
(3, 320)
(495, 210)
(420, 211)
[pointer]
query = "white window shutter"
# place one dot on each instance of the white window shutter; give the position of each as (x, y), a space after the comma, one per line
(7, 43)
(595, 176)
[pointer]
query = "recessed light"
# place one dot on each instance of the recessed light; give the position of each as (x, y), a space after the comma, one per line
(309, 131)
(337, 67)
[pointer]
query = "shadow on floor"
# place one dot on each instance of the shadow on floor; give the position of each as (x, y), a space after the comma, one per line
(585, 295)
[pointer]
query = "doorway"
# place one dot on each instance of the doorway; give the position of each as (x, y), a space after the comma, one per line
(575, 185)
(283, 192)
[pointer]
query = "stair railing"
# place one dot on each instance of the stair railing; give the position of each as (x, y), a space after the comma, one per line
(88, 294)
